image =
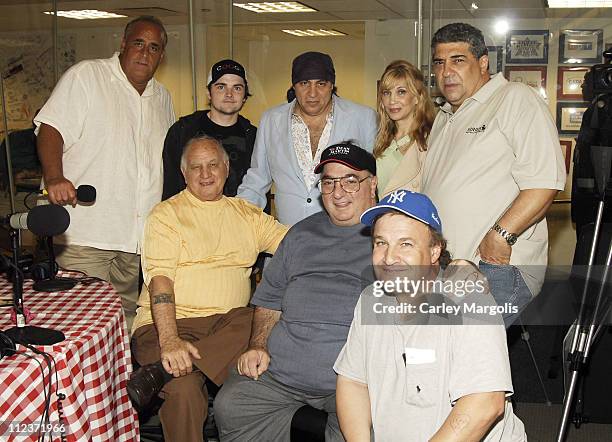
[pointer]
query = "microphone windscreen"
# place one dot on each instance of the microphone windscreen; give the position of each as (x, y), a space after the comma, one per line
(86, 193)
(48, 220)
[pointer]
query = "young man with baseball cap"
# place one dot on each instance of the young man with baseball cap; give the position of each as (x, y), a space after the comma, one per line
(415, 382)
(293, 135)
(304, 306)
(228, 90)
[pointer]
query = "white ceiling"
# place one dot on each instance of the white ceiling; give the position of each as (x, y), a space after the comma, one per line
(27, 14)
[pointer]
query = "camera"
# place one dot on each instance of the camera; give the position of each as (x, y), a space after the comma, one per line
(598, 80)
(601, 78)
(145, 383)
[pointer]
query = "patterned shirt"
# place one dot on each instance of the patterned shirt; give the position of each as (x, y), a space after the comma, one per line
(300, 136)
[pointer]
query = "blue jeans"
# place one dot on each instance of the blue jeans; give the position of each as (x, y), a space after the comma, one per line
(507, 286)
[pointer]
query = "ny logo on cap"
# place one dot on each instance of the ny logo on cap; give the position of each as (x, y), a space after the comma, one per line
(433, 216)
(396, 196)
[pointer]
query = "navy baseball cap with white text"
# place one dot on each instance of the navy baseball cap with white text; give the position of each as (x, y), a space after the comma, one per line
(348, 154)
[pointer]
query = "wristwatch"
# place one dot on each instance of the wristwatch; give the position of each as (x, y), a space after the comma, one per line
(509, 237)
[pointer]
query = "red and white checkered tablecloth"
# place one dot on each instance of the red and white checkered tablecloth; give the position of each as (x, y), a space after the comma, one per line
(93, 365)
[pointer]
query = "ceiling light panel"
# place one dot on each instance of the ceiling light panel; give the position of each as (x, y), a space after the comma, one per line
(314, 32)
(86, 14)
(275, 7)
(580, 4)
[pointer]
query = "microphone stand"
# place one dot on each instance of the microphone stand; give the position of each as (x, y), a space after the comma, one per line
(587, 329)
(53, 284)
(22, 333)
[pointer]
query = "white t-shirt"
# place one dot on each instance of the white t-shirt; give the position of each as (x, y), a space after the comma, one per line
(113, 140)
(500, 141)
(415, 374)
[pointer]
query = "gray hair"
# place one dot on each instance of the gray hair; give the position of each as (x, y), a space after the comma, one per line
(146, 19)
(200, 139)
(461, 33)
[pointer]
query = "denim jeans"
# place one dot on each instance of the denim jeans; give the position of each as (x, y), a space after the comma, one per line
(507, 286)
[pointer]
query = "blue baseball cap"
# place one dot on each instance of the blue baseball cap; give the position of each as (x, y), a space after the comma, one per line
(412, 204)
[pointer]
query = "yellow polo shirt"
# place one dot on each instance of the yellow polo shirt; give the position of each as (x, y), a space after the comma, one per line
(207, 249)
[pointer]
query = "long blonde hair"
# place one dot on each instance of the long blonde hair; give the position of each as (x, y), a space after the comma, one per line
(402, 71)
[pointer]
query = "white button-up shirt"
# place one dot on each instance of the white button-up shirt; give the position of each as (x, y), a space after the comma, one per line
(113, 140)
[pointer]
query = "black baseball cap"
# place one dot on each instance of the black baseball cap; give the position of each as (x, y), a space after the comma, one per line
(220, 68)
(348, 154)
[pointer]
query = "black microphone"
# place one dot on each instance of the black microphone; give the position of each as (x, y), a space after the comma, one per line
(84, 193)
(45, 220)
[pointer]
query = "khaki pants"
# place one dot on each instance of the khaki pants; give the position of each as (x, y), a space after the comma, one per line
(220, 340)
(121, 269)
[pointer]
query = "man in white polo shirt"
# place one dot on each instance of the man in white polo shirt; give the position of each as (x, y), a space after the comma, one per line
(493, 167)
(104, 125)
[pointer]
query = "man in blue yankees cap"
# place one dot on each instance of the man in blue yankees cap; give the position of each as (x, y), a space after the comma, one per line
(414, 382)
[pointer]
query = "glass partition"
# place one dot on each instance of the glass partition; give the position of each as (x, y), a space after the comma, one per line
(27, 73)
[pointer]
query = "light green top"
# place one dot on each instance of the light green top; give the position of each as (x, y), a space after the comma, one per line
(388, 162)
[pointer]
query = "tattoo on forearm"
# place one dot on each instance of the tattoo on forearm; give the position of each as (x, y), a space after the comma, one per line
(162, 298)
(459, 422)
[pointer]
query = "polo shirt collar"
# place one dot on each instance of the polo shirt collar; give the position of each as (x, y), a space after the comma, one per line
(152, 86)
(483, 94)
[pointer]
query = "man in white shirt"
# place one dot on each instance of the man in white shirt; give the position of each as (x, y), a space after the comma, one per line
(104, 125)
(493, 167)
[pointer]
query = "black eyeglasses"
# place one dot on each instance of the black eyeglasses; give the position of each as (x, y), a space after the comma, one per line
(349, 184)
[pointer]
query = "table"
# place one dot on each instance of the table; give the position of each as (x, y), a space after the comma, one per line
(93, 365)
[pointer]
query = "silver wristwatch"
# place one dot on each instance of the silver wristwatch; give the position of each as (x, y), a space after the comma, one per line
(509, 237)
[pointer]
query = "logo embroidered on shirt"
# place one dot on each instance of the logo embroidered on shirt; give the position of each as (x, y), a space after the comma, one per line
(475, 130)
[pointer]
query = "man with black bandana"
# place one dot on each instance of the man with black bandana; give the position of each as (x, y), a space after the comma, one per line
(292, 136)
(228, 91)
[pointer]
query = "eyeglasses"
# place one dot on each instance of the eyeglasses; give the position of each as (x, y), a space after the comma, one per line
(349, 184)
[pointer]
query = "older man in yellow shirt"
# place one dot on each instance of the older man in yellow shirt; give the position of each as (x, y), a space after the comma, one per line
(199, 247)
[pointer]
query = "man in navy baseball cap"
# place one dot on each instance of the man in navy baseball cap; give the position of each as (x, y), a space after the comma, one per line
(348, 154)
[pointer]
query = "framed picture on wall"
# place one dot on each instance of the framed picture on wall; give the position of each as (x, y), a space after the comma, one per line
(534, 76)
(580, 46)
(566, 148)
(432, 77)
(569, 82)
(496, 59)
(569, 117)
(527, 47)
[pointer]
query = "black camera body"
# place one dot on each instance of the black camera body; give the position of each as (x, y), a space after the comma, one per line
(601, 79)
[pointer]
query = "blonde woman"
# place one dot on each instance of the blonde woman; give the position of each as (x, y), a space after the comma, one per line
(405, 114)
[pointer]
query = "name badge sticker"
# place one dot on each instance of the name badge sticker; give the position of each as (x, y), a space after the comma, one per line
(416, 356)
